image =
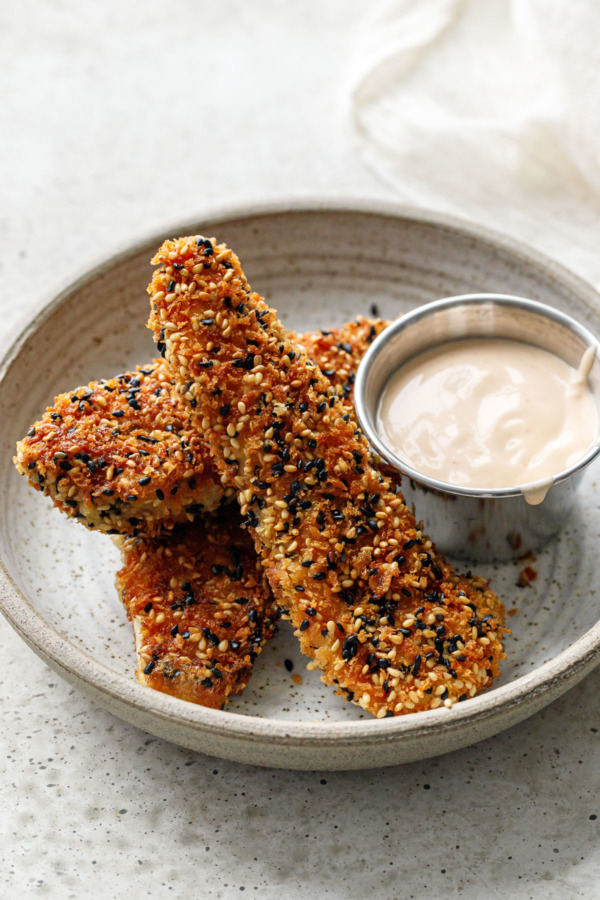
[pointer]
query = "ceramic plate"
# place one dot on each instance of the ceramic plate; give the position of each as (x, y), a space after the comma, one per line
(319, 266)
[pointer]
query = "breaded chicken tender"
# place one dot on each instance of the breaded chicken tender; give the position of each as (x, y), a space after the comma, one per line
(122, 455)
(201, 608)
(177, 663)
(380, 612)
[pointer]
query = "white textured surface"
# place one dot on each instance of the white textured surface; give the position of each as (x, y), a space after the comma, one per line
(488, 108)
(115, 120)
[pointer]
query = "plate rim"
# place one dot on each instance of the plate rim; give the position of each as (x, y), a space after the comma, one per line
(67, 658)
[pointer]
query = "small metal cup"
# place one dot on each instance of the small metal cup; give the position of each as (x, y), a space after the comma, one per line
(467, 523)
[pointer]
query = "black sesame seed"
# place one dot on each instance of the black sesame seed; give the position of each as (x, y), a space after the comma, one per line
(144, 481)
(149, 667)
(304, 625)
(350, 647)
(148, 607)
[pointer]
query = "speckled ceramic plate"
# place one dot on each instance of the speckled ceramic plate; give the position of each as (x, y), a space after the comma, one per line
(313, 263)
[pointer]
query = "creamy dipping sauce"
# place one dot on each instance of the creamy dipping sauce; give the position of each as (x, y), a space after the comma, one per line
(489, 413)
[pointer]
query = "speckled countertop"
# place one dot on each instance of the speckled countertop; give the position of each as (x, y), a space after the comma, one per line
(99, 148)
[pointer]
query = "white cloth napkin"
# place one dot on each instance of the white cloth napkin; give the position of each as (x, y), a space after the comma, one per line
(488, 109)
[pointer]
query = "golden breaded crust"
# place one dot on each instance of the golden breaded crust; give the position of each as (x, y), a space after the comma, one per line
(382, 614)
(96, 447)
(201, 607)
(122, 453)
(338, 351)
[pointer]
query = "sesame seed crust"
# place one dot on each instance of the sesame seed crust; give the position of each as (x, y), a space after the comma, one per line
(201, 607)
(338, 351)
(122, 454)
(378, 610)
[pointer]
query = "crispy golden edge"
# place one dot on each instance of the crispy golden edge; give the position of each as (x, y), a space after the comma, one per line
(381, 613)
(201, 607)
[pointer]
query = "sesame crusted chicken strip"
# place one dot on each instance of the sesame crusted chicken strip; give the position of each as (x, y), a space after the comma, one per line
(202, 648)
(201, 608)
(122, 453)
(380, 612)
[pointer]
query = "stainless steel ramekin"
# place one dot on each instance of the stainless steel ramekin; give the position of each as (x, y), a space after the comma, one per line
(468, 523)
